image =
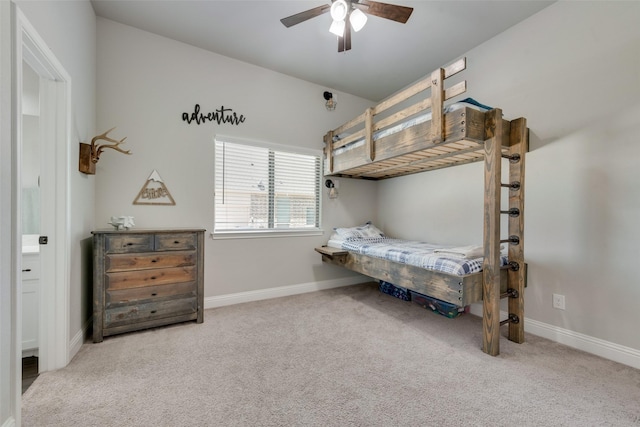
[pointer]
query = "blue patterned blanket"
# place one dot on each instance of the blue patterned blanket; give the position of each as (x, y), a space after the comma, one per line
(414, 253)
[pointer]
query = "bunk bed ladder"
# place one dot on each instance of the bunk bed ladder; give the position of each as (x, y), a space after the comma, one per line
(517, 146)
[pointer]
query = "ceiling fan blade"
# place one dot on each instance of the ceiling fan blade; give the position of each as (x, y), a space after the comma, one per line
(292, 20)
(344, 43)
(385, 10)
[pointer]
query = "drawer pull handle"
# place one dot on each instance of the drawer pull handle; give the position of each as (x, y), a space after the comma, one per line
(176, 242)
(129, 244)
(154, 260)
(154, 294)
(26, 270)
(153, 311)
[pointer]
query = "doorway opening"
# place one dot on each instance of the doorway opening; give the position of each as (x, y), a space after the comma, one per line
(42, 137)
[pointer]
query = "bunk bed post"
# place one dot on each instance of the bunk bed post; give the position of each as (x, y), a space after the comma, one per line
(437, 101)
(368, 133)
(491, 266)
(519, 145)
(328, 146)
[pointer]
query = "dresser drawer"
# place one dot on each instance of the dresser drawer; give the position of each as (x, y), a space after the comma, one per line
(135, 313)
(143, 261)
(142, 278)
(176, 242)
(149, 293)
(128, 243)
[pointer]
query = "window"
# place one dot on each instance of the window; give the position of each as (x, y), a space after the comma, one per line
(265, 188)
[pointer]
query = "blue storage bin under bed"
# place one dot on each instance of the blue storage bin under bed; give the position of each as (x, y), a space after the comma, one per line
(438, 306)
(395, 291)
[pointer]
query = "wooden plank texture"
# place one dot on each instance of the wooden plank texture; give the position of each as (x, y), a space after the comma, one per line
(437, 99)
(149, 311)
(459, 290)
(127, 243)
(329, 251)
(328, 140)
(144, 261)
(368, 134)
(98, 292)
(200, 280)
(152, 323)
(175, 242)
(465, 125)
(146, 278)
(141, 278)
(459, 137)
(519, 142)
(491, 265)
(150, 293)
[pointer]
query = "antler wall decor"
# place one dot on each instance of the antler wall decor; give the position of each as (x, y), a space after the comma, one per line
(90, 153)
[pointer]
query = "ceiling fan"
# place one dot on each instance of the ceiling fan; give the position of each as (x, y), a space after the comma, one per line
(353, 11)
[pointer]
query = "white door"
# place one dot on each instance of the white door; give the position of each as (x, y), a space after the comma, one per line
(54, 107)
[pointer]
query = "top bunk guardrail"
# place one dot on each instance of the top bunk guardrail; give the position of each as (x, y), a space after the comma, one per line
(422, 136)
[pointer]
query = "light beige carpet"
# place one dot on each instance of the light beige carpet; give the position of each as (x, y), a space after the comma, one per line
(343, 357)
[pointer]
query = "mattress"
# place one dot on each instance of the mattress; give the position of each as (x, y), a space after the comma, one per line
(415, 120)
(418, 254)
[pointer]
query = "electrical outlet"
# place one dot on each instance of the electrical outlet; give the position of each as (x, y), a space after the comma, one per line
(558, 301)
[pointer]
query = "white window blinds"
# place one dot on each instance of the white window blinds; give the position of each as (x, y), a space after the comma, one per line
(259, 187)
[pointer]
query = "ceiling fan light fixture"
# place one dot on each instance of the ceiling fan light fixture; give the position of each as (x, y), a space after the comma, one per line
(350, 15)
(339, 10)
(337, 28)
(357, 19)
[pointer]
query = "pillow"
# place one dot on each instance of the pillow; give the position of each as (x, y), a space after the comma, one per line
(365, 231)
(476, 103)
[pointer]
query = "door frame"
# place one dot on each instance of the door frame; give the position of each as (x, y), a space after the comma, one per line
(55, 116)
(10, 341)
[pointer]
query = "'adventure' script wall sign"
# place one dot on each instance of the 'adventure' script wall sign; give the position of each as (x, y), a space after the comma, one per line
(220, 116)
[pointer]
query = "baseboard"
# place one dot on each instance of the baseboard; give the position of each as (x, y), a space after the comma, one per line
(608, 350)
(281, 291)
(79, 338)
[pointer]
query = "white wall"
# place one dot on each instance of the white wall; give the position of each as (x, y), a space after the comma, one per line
(8, 341)
(145, 83)
(573, 70)
(69, 30)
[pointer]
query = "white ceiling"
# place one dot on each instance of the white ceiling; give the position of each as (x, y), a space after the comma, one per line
(385, 56)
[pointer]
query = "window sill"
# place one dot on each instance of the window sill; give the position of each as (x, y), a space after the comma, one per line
(221, 235)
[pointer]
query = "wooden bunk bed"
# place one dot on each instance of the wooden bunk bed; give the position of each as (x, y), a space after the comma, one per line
(445, 139)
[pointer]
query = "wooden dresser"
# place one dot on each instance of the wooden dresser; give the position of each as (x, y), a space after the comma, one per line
(146, 278)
